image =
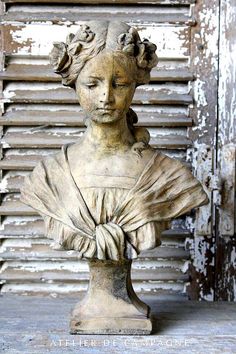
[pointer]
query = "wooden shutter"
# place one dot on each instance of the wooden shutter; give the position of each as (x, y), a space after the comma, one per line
(39, 115)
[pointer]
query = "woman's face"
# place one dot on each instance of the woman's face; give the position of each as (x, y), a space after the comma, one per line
(105, 87)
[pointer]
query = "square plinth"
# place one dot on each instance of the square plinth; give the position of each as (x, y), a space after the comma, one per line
(105, 325)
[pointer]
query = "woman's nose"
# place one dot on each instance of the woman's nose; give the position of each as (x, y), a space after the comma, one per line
(107, 95)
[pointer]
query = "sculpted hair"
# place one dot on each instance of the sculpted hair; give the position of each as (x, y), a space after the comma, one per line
(69, 58)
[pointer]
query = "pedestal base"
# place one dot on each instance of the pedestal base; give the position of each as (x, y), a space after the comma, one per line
(126, 326)
(110, 305)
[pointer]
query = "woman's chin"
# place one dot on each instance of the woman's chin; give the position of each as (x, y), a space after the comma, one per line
(106, 118)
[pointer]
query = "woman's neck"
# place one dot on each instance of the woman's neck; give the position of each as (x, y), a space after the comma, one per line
(109, 136)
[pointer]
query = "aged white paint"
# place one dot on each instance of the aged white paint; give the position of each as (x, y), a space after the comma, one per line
(96, 10)
(227, 117)
(37, 39)
(209, 18)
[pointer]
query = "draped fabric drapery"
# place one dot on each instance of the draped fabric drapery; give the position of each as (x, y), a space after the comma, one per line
(164, 190)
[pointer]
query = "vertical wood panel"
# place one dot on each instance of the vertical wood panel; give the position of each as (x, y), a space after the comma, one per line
(204, 60)
(226, 238)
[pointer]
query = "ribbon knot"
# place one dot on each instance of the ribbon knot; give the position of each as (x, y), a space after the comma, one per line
(112, 243)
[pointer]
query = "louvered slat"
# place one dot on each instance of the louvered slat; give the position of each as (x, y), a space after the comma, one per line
(56, 140)
(157, 2)
(26, 159)
(55, 93)
(16, 274)
(69, 118)
(38, 249)
(22, 72)
(37, 39)
(164, 290)
(61, 13)
(33, 227)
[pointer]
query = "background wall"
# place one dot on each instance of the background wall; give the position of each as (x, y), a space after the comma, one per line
(188, 107)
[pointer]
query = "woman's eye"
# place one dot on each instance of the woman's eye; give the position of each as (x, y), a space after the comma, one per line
(120, 84)
(91, 85)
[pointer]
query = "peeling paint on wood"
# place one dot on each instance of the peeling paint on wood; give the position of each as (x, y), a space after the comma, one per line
(227, 180)
(157, 2)
(74, 13)
(204, 64)
(54, 93)
(37, 39)
(225, 235)
(41, 73)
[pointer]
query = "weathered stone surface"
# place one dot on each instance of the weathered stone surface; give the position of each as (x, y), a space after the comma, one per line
(120, 311)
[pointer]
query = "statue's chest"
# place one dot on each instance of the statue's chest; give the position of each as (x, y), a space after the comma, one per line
(112, 166)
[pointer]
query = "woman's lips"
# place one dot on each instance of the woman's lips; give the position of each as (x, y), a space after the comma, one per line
(105, 110)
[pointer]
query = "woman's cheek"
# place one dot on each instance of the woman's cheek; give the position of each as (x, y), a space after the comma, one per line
(85, 100)
(90, 107)
(126, 98)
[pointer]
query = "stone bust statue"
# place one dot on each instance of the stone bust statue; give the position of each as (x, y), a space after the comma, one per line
(109, 195)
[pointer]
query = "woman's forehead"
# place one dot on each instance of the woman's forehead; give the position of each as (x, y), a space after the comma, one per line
(108, 62)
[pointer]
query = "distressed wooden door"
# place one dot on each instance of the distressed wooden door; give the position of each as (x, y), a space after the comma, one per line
(181, 109)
